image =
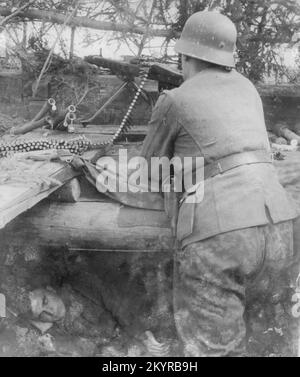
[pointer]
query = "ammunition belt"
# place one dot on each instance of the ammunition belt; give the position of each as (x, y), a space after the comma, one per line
(77, 145)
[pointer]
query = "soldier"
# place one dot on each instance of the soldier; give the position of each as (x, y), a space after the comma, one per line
(240, 235)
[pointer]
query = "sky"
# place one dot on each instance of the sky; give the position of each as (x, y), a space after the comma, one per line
(110, 48)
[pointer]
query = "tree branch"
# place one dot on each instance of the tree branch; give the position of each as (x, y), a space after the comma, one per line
(16, 12)
(76, 4)
(55, 17)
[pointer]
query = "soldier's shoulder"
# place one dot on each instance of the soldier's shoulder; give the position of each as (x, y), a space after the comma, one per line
(164, 105)
(166, 99)
(243, 79)
(169, 94)
(174, 96)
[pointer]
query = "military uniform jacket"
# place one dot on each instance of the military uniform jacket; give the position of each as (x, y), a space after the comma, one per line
(213, 115)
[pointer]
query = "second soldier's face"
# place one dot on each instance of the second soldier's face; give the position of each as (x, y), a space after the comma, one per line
(46, 306)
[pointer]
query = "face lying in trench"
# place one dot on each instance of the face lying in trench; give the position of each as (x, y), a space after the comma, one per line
(46, 306)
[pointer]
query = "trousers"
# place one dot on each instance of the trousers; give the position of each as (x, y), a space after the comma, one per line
(215, 279)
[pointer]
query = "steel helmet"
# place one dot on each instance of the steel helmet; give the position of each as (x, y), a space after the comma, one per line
(209, 36)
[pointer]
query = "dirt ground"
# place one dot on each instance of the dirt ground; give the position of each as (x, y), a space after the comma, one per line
(111, 300)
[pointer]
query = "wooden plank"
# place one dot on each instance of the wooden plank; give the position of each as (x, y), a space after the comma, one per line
(57, 135)
(13, 191)
(109, 130)
(93, 132)
(26, 197)
(97, 224)
(18, 198)
(92, 226)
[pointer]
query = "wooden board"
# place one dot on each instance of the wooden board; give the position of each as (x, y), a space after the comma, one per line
(18, 198)
(96, 223)
(96, 133)
(96, 130)
(92, 226)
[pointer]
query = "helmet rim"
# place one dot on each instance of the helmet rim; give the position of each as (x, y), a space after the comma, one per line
(209, 54)
(209, 36)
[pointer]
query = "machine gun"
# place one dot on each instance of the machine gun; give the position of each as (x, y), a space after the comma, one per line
(166, 77)
(125, 70)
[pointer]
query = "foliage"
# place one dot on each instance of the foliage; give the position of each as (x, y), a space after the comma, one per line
(263, 25)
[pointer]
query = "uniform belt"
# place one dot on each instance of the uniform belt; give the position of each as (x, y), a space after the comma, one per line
(235, 160)
(228, 163)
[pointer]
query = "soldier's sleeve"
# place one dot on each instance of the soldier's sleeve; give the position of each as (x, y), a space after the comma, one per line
(162, 129)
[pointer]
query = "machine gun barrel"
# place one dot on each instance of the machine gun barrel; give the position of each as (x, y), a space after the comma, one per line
(130, 71)
(167, 77)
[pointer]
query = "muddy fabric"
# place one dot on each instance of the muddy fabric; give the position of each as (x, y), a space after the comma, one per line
(214, 278)
(207, 117)
(136, 195)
